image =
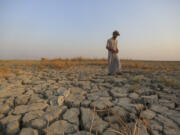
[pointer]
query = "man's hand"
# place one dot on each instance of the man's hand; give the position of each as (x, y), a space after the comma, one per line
(112, 50)
(109, 49)
(116, 51)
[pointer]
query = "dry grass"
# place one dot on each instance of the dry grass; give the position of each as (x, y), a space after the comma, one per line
(138, 78)
(168, 81)
(65, 63)
(145, 65)
(124, 127)
(134, 87)
(7, 72)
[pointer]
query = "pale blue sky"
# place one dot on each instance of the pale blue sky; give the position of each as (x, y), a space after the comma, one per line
(31, 29)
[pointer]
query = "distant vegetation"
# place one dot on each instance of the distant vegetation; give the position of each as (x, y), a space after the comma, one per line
(9, 67)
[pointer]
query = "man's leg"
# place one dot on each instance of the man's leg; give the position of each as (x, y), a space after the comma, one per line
(110, 64)
(118, 66)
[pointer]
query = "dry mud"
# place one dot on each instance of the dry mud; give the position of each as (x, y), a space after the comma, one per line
(83, 100)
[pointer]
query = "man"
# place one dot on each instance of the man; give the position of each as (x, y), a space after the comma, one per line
(113, 60)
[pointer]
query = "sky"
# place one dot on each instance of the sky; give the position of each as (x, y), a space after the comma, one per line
(32, 29)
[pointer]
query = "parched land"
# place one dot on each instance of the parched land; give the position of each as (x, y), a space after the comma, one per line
(77, 97)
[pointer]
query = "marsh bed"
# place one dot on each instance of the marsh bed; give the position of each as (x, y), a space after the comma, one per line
(82, 100)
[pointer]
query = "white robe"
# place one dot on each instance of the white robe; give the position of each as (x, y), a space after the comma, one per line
(113, 59)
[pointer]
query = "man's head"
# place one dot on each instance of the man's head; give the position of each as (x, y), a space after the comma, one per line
(115, 34)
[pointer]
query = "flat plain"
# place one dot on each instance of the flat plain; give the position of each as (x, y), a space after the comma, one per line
(77, 97)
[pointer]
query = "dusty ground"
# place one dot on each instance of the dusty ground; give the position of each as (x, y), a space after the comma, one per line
(83, 100)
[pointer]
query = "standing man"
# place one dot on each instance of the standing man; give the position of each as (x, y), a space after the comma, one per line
(113, 60)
